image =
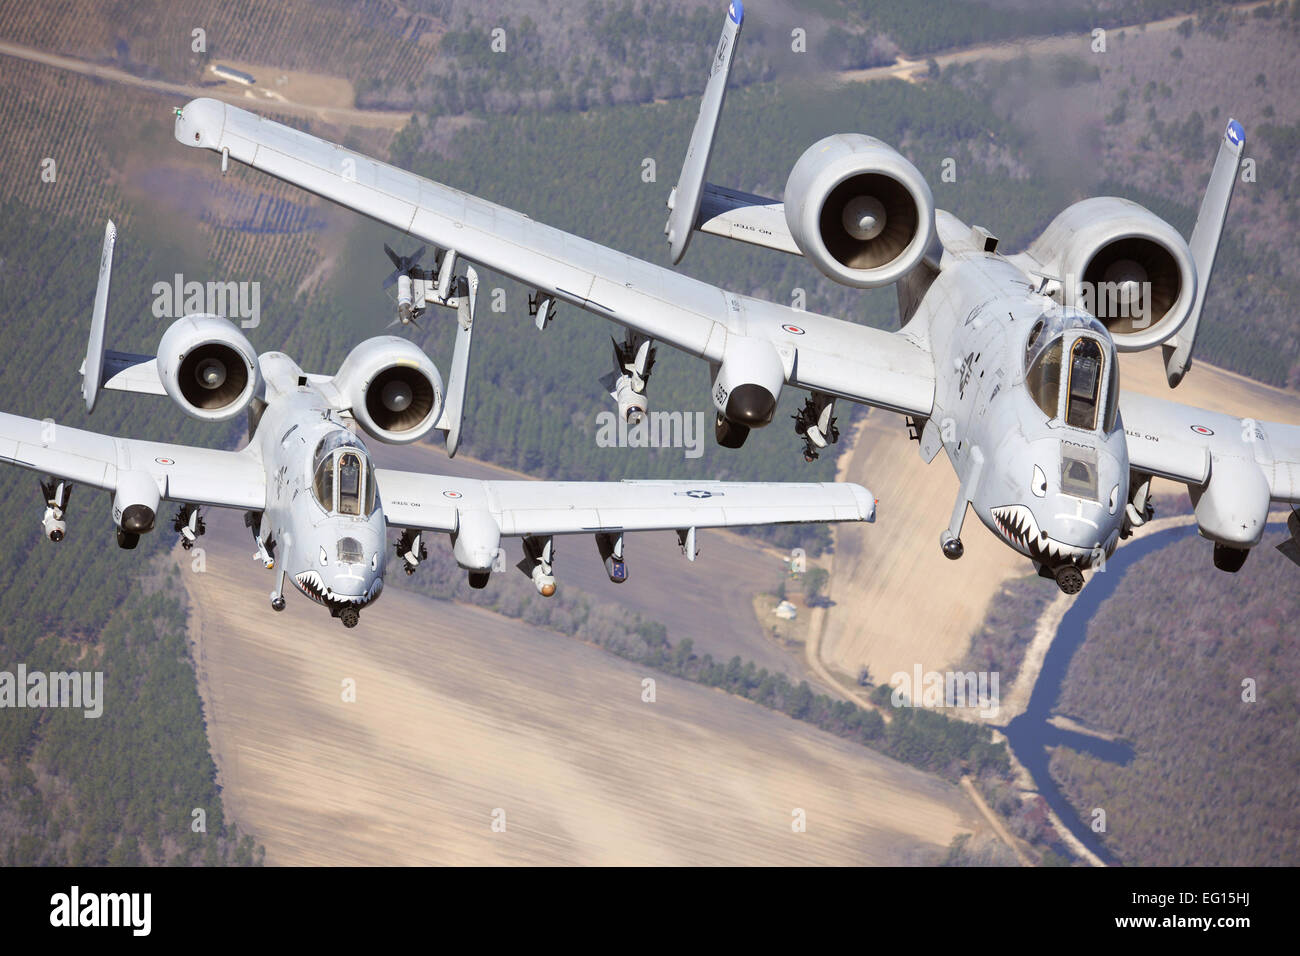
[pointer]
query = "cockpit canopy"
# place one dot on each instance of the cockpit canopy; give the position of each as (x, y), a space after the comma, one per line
(343, 480)
(1069, 353)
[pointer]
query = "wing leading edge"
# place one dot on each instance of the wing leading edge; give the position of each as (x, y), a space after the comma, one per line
(1190, 445)
(434, 502)
(198, 476)
(833, 356)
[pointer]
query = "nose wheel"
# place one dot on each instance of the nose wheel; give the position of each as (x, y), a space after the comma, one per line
(952, 546)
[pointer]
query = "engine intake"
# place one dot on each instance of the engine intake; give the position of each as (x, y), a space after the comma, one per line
(394, 389)
(1125, 265)
(860, 211)
(208, 367)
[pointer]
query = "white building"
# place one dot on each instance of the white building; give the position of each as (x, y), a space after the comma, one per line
(786, 611)
(230, 73)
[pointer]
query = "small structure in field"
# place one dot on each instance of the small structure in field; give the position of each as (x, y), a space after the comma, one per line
(230, 73)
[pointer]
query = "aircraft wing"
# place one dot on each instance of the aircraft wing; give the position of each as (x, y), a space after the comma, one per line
(200, 476)
(1190, 445)
(434, 502)
(820, 353)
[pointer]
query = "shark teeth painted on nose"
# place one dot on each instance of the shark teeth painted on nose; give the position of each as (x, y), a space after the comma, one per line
(1016, 523)
(310, 583)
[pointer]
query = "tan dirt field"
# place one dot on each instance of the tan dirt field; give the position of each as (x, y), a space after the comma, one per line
(899, 601)
(460, 712)
(292, 86)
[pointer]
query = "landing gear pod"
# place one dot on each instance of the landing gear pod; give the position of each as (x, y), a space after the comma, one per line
(746, 387)
(135, 506)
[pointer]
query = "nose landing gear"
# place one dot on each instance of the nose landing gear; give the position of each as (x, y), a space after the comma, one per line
(277, 596)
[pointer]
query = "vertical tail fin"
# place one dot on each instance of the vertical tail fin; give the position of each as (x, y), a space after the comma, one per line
(453, 406)
(684, 202)
(107, 368)
(1204, 245)
(93, 370)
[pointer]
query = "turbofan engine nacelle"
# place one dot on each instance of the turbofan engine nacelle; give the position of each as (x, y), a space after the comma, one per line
(860, 211)
(748, 383)
(394, 389)
(1125, 265)
(208, 367)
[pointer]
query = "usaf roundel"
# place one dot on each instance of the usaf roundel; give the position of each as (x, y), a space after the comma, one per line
(1236, 134)
(700, 493)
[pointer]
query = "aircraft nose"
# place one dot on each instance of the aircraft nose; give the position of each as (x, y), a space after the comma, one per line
(1078, 527)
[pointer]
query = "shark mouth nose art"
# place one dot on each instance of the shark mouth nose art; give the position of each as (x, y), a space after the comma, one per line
(310, 583)
(1016, 523)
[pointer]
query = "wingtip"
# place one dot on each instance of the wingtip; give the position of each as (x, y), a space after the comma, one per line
(1236, 133)
(736, 11)
(866, 502)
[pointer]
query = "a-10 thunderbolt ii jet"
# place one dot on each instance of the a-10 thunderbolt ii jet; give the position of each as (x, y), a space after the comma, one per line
(318, 509)
(1006, 362)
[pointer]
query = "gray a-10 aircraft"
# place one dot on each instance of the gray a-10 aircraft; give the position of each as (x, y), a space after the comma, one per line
(317, 507)
(1008, 363)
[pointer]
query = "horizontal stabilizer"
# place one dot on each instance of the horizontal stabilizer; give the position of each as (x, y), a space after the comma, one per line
(745, 216)
(125, 372)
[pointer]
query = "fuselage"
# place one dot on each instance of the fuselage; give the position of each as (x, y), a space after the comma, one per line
(1026, 403)
(323, 515)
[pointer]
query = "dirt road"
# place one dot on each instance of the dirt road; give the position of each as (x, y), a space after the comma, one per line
(238, 95)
